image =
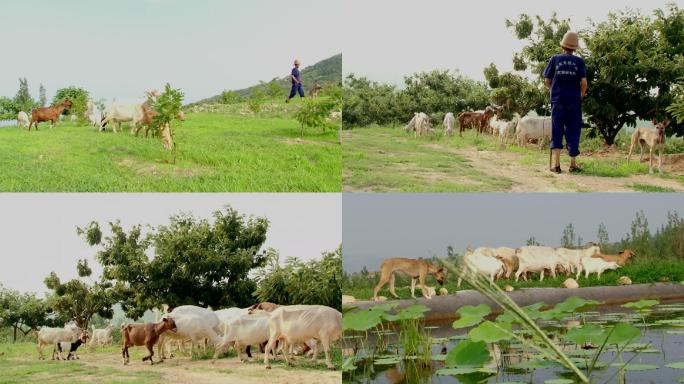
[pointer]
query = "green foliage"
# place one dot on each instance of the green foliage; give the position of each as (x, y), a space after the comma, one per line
(256, 101)
(314, 112)
(273, 89)
(78, 300)
(632, 61)
(435, 93)
(8, 110)
(676, 109)
(79, 99)
(195, 261)
(229, 97)
(297, 282)
(42, 98)
(23, 100)
(570, 239)
(92, 233)
(515, 93)
(468, 354)
(22, 312)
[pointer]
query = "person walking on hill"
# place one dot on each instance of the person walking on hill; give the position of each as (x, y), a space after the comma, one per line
(566, 78)
(296, 78)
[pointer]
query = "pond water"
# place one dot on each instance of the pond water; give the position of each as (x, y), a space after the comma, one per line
(661, 342)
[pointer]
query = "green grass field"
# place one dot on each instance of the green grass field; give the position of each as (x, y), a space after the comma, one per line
(388, 159)
(640, 273)
(216, 152)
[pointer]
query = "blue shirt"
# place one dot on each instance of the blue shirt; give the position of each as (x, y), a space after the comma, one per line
(295, 73)
(566, 72)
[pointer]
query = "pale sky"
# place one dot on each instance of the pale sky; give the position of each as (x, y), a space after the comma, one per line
(123, 48)
(39, 230)
(381, 225)
(389, 39)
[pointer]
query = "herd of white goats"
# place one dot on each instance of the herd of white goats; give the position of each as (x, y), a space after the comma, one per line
(503, 261)
(275, 328)
(526, 129)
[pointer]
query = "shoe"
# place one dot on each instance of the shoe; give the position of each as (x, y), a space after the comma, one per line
(575, 169)
(556, 169)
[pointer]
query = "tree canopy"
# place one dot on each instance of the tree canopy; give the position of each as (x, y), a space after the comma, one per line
(195, 261)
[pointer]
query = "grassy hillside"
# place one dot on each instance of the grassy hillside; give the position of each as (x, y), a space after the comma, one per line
(217, 152)
(328, 71)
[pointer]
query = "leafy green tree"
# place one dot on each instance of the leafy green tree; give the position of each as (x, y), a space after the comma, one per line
(23, 100)
(632, 60)
(79, 300)
(167, 108)
(22, 312)
(79, 99)
(570, 239)
(602, 235)
(196, 261)
(639, 238)
(532, 241)
(515, 93)
(256, 100)
(676, 109)
(273, 89)
(297, 282)
(366, 102)
(8, 110)
(42, 100)
(229, 97)
(314, 113)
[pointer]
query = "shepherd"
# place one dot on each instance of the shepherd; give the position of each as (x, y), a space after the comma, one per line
(566, 78)
(296, 78)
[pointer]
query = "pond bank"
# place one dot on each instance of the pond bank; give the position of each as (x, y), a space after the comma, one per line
(444, 307)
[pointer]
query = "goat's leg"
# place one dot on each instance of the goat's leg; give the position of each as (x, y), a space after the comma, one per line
(238, 350)
(326, 348)
(269, 348)
(413, 287)
(660, 159)
(391, 285)
(650, 159)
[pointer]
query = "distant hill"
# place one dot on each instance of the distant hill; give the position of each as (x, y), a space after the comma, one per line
(328, 71)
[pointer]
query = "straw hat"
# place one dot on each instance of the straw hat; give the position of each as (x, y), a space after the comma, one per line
(297, 61)
(570, 40)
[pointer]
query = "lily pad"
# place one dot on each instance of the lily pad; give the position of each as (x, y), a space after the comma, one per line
(623, 333)
(588, 333)
(468, 354)
(491, 332)
(636, 367)
(387, 360)
(678, 365)
(559, 381)
(361, 320)
(470, 315)
(641, 304)
(576, 304)
(464, 371)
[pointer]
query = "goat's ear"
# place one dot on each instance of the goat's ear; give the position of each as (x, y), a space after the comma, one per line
(666, 123)
(165, 319)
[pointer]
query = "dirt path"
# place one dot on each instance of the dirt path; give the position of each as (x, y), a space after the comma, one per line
(539, 179)
(185, 371)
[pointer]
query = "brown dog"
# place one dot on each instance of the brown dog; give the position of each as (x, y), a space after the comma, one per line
(654, 138)
(415, 268)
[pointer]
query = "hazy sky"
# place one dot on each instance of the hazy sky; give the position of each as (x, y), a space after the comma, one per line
(125, 47)
(389, 39)
(39, 230)
(379, 225)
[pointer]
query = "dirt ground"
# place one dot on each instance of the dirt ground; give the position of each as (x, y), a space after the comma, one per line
(536, 179)
(183, 370)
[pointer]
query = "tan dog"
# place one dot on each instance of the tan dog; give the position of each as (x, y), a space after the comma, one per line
(654, 138)
(415, 268)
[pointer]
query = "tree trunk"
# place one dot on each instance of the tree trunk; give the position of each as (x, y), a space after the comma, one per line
(14, 338)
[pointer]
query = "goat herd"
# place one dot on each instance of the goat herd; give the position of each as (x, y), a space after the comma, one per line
(139, 114)
(275, 328)
(502, 261)
(531, 129)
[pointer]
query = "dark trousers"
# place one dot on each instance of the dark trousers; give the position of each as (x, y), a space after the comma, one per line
(296, 88)
(566, 120)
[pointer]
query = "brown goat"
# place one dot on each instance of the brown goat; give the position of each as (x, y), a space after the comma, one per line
(49, 113)
(145, 334)
(621, 258)
(477, 120)
(313, 92)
